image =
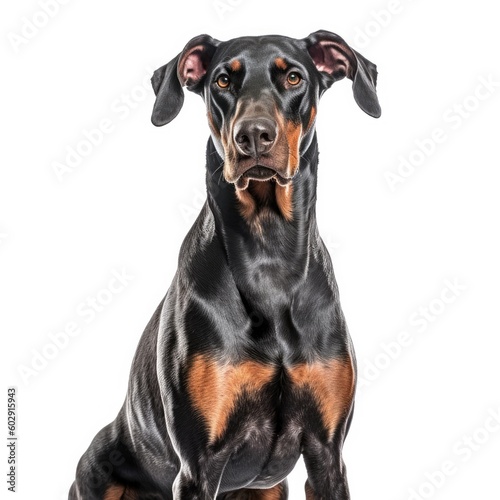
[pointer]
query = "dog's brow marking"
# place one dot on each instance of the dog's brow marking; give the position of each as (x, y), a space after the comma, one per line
(215, 388)
(235, 65)
(280, 63)
(332, 386)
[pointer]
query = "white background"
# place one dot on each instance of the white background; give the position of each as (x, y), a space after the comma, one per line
(131, 200)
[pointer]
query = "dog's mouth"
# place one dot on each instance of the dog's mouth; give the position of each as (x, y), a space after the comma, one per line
(261, 174)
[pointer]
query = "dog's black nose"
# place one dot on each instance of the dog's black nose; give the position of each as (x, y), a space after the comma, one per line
(255, 137)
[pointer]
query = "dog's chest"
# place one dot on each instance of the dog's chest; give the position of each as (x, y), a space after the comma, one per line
(264, 406)
(262, 410)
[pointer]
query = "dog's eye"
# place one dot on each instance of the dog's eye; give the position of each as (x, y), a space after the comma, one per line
(223, 81)
(293, 78)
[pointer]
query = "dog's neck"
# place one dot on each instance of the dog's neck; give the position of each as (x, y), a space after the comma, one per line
(270, 239)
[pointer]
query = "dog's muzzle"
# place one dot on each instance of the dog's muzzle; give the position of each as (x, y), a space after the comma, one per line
(261, 173)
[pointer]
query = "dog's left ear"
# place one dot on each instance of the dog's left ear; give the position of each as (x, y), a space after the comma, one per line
(186, 69)
(335, 59)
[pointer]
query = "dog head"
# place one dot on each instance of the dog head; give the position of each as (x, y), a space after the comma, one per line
(261, 95)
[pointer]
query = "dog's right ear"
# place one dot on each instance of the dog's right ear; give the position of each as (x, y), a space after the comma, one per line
(187, 69)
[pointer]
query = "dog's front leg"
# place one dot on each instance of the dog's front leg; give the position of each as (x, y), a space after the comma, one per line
(199, 481)
(327, 479)
(193, 397)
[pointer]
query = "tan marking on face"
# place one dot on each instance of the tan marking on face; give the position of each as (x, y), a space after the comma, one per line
(215, 388)
(235, 65)
(230, 152)
(293, 134)
(312, 118)
(211, 123)
(332, 386)
(280, 63)
(230, 156)
(288, 143)
(284, 200)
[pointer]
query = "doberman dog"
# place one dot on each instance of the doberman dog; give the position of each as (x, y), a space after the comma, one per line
(247, 362)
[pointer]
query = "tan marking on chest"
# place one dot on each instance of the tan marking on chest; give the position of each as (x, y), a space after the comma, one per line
(256, 201)
(332, 386)
(114, 493)
(118, 492)
(275, 493)
(251, 212)
(216, 387)
(309, 491)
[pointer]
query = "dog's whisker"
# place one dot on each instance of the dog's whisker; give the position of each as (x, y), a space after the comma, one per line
(217, 169)
(221, 177)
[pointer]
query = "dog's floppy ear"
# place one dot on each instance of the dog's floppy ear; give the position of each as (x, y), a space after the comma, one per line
(187, 69)
(335, 59)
